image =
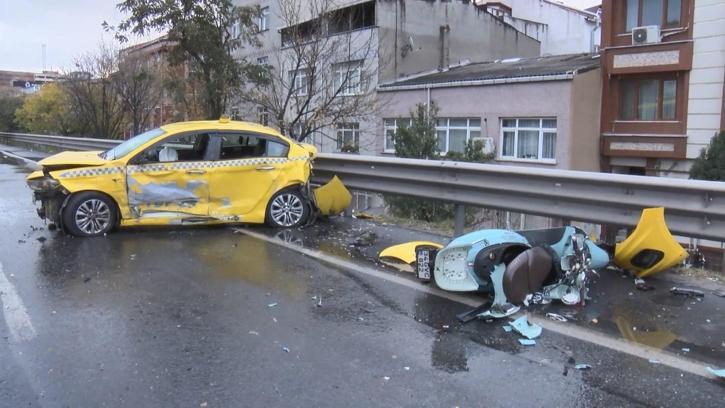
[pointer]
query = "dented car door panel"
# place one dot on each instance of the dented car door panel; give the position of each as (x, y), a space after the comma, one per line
(245, 176)
(169, 180)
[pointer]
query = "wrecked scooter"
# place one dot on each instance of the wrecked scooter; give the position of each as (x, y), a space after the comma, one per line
(516, 267)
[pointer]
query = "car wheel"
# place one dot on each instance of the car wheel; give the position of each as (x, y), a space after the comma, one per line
(287, 209)
(89, 214)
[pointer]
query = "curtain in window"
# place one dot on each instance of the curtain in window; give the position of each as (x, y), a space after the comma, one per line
(457, 140)
(669, 96)
(648, 99)
(548, 150)
(528, 144)
(508, 144)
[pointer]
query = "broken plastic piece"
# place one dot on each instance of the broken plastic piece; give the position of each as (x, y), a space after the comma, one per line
(332, 198)
(507, 328)
(582, 366)
(718, 373)
(558, 317)
(405, 252)
(272, 304)
(650, 248)
(526, 329)
(527, 342)
(687, 292)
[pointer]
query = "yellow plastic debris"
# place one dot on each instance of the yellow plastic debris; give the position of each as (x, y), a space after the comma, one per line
(650, 248)
(406, 252)
(333, 197)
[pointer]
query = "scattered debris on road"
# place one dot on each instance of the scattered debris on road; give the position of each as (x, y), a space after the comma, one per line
(557, 317)
(272, 305)
(640, 284)
(527, 342)
(720, 373)
(582, 366)
(676, 290)
(526, 329)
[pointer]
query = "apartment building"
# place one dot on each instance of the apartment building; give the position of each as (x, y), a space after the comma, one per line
(663, 66)
(408, 37)
(561, 29)
(22, 82)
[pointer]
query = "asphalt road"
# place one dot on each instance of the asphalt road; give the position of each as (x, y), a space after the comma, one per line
(210, 317)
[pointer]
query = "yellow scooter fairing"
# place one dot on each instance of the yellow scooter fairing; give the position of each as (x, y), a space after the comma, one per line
(332, 198)
(650, 248)
(406, 252)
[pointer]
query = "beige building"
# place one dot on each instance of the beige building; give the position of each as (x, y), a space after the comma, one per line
(541, 112)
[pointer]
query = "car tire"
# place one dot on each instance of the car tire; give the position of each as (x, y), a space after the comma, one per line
(287, 209)
(89, 214)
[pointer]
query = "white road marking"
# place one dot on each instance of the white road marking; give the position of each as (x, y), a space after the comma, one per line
(16, 316)
(569, 330)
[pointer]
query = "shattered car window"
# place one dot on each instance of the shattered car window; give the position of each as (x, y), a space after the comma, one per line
(131, 144)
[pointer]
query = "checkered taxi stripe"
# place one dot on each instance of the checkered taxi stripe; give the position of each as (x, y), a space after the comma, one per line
(147, 168)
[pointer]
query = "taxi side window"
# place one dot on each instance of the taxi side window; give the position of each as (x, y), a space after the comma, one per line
(244, 145)
(182, 148)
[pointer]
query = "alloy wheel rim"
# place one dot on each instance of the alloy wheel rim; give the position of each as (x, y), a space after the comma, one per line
(93, 216)
(287, 210)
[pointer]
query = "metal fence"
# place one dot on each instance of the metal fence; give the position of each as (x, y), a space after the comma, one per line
(693, 208)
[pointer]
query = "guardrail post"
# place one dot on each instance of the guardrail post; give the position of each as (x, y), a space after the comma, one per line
(460, 220)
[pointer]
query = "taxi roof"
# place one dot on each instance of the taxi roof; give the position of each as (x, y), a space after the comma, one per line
(222, 124)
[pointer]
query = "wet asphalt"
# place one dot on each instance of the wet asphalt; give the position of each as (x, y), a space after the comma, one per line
(209, 317)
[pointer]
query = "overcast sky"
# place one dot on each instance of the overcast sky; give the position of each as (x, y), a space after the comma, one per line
(67, 27)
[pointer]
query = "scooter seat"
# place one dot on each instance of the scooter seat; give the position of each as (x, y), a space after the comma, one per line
(526, 274)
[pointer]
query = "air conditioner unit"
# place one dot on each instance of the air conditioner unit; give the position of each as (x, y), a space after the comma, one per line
(646, 35)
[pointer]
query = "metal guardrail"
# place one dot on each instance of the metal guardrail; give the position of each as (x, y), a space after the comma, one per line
(694, 208)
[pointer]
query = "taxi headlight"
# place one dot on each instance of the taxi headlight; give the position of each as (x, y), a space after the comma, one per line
(43, 184)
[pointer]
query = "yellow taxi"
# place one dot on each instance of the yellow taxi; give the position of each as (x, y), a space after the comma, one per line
(202, 172)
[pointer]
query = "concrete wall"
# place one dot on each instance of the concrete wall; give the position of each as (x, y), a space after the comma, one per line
(586, 102)
(417, 36)
(575, 104)
(560, 29)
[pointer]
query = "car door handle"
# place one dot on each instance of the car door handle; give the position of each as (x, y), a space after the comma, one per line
(196, 171)
(265, 168)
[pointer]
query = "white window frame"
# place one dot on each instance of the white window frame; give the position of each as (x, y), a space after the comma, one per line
(516, 130)
(263, 115)
(353, 128)
(263, 19)
(349, 70)
(300, 82)
(447, 128)
(394, 128)
(264, 60)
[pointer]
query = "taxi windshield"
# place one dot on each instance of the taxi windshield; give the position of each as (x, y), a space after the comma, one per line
(131, 144)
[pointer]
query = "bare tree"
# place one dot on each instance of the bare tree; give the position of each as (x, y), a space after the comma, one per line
(322, 74)
(92, 94)
(138, 85)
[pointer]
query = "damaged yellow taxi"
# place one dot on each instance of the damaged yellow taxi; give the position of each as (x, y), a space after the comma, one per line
(203, 172)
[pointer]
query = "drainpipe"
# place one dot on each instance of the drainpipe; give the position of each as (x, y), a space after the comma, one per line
(427, 105)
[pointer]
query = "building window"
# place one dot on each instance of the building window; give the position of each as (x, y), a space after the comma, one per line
(348, 137)
(454, 133)
(299, 82)
(263, 19)
(263, 60)
(300, 33)
(663, 13)
(648, 99)
(348, 77)
(391, 128)
(528, 139)
(351, 18)
(263, 115)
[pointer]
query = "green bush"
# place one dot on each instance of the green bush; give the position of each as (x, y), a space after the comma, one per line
(419, 140)
(711, 163)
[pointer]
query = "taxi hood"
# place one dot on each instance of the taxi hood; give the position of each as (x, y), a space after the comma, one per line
(71, 160)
